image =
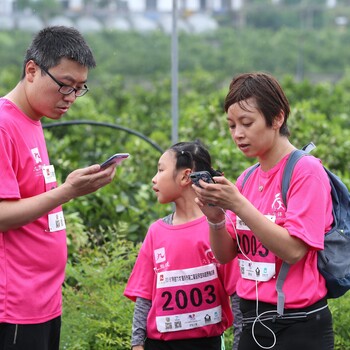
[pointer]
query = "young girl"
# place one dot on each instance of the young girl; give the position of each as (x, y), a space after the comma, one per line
(181, 303)
(263, 232)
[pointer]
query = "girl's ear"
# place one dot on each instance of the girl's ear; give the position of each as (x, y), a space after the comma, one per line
(185, 179)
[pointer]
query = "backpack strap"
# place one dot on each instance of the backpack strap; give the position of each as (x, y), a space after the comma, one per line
(286, 177)
(282, 275)
(249, 172)
(309, 147)
(288, 172)
(289, 168)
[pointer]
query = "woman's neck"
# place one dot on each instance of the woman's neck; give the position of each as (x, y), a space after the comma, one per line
(275, 154)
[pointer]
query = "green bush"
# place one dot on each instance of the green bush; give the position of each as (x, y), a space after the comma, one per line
(96, 315)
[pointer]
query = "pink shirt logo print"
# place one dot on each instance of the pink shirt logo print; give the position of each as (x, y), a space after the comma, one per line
(36, 155)
(159, 255)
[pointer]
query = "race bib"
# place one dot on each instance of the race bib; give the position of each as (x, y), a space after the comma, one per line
(56, 222)
(49, 174)
(187, 299)
(252, 249)
(257, 271)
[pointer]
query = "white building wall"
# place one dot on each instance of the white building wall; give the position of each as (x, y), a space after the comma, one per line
(137, 5)
(6, 7)
(76, 5)
(236, 4)
(165, 5)
(192, 5)
(216, 5)
(331, 3)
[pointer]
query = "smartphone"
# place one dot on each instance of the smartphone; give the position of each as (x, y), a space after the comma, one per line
(201, 175)
(116, 158)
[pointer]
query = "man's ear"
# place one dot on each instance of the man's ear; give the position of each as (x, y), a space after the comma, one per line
(30, 70)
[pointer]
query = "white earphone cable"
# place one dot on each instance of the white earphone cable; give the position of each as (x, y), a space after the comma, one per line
(258, 316)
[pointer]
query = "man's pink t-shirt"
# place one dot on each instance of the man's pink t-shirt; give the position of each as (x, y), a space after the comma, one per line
(32, 259)
(308, 216)
(177, 271)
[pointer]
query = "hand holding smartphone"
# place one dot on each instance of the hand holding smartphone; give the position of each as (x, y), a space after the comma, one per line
(201, 175)
(116, 158)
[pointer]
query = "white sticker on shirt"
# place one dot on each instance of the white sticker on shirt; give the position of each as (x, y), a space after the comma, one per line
(56, 222)
(191, 320)
(240, 224)
(257, 271)
(190, 276)
(271, 217)
(49, 173)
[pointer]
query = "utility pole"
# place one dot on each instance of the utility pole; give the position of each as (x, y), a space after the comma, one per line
(174, 75)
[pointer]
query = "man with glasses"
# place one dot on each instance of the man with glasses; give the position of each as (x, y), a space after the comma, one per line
(67, 89)
(33, 250)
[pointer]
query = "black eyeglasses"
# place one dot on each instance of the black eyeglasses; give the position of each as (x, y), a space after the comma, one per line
(66, 89)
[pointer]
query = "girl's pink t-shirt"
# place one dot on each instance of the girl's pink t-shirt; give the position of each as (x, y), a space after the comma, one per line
(308, 216)
(32, 259)
(177, 271)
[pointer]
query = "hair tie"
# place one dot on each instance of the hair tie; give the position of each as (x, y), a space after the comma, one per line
(216, 172)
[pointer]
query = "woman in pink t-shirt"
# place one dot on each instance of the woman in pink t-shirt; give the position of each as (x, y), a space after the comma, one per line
(178, 286)
(252, 223)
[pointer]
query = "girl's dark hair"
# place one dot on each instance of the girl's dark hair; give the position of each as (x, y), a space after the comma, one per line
(193, 155)
(267, 93)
